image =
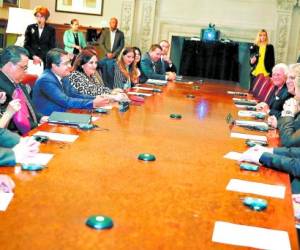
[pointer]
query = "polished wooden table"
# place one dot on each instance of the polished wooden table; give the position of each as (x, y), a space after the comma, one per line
(171, 203)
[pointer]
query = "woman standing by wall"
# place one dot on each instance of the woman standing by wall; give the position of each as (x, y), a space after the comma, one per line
(262, 58)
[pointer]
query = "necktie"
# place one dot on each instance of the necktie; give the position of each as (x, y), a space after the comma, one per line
(22, 117)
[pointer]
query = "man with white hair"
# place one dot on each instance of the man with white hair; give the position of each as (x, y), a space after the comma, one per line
(280, 92)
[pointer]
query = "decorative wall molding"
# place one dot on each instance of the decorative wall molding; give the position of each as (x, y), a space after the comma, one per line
(284, 19)
(127, 14)
(148, 8)
(167, 29)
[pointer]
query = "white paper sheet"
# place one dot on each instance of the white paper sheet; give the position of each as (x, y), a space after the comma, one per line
(240, 106)
(138, 93)
(95, 118)
(247, 136)
(40, 159)
(249, 113)
(58, 136)
(158, 82)
(249, 236)
(5, 199)
(35, 69)
(233, 156)
(143, 88)
(242, 123)
(243, 99)
(251, 187)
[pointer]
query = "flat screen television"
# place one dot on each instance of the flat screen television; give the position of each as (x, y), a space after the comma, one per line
(210, 35)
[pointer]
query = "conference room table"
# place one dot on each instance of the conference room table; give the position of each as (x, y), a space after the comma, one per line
(170, 203)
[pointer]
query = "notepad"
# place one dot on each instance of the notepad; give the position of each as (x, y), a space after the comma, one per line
(233, 156)
(243, 100)
(247, 136)
(58, 136)
(40, 159)
(249, 236)
(5, 199)
(251, 187)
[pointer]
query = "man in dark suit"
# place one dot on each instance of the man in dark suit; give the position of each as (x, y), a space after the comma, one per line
(14, 61)
(39, 37)
(112, 39)
(165, 59)
(53, 93)
(152, 67)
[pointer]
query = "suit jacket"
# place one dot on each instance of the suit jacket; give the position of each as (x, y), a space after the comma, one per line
(276, 101)
(69, 40)
(49, 94)
(7, 141)
(105, 43)
(286, 160)
(8, 87)
(168, 67)
(152, 70)
(289, 130)
(269, 61)
(39, 46)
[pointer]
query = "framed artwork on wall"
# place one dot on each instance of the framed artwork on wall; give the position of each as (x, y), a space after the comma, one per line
(9, 3)
(87, 7)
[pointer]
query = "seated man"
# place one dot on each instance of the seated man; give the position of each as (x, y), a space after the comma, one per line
(280, 92)
(14, 61)
(50, 93)
(152, 68)
(282, 159)
(165, 60)
(13, 148)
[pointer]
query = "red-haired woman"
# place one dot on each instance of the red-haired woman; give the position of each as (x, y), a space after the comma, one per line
(39, 37)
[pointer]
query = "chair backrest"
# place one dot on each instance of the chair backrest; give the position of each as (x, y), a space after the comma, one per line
(262, 88)
(29, 79)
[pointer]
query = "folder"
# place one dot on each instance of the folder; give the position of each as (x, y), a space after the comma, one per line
(69, 118)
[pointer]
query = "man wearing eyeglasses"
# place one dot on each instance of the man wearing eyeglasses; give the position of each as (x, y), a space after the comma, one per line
(53, 92)
(13, 64)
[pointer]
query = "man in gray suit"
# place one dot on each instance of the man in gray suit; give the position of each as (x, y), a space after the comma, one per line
(112, 39)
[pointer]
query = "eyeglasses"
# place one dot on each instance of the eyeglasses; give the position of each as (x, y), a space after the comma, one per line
(23, 67)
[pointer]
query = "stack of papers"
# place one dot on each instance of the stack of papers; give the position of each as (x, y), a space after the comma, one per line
(38, 159)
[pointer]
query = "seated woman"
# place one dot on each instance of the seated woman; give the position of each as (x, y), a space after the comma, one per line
(137, 60)
(85, 80)
(125, 71)
(83, 77)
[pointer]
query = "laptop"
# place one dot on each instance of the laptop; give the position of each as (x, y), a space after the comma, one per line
(69, 118)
